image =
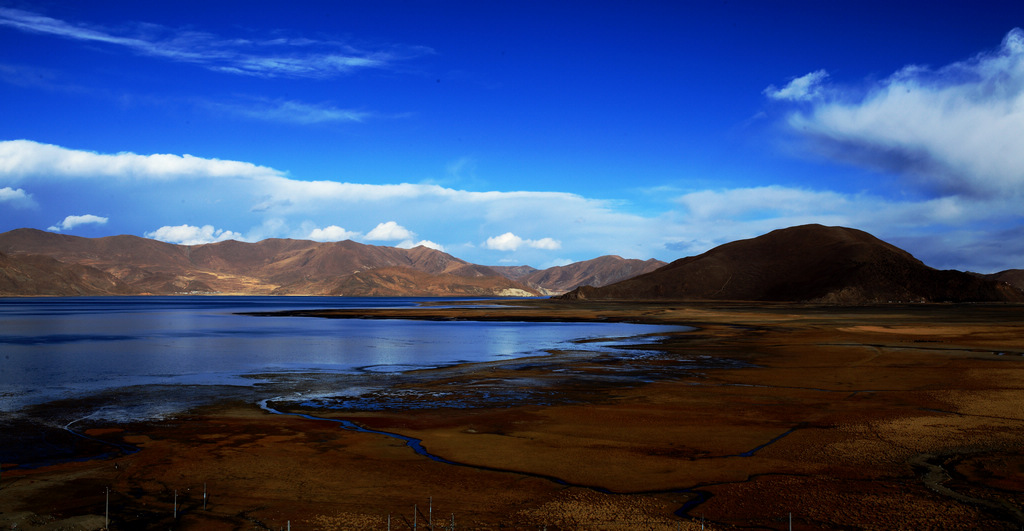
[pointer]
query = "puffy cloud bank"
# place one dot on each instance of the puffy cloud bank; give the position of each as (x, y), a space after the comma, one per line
(23, 158)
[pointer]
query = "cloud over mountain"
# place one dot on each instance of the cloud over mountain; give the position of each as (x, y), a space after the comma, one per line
(190, 235)
(71, 222)
(332, 233)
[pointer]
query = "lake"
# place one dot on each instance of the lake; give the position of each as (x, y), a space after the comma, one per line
(157, 355)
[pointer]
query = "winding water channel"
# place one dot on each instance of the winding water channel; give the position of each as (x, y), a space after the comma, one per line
(416, 445)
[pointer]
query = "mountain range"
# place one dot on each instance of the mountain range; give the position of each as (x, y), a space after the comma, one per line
(810, 263)
(34, 262)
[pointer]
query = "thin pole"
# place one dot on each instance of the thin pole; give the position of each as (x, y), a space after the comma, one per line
(414, 511)
(175, 504)
(204, 495)
(430, 513)
(106, 514)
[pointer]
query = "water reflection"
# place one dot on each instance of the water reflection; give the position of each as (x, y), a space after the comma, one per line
(62, 348)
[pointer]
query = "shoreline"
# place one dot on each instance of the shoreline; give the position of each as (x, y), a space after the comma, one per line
(836, 402)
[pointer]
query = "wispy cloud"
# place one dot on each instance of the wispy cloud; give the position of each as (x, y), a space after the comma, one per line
(279, 57)
(954, 130)
(290, 111)
(804, 88)
(71, 222)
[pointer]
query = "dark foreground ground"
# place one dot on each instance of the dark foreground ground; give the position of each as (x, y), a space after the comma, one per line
(891, 417)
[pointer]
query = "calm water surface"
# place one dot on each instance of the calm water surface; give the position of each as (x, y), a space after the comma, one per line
(58, 348)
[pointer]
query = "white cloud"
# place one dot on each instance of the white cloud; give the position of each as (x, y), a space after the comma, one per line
(20, 158)
(549, 244)
(511, 242)
(505, 242)
(954, 130)
(17, 198)
(190, 235)
(279, 57)
(803, 88)
(389, 231)
(332, 233)
(71, 222)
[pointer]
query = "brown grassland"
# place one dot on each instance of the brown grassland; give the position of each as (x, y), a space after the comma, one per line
(885, 417)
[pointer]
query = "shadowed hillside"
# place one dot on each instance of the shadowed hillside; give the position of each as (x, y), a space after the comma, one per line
(809, 263)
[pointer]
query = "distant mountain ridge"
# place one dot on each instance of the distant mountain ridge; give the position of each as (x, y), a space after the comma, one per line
(808, 263)
(599, 271)
(36, 262)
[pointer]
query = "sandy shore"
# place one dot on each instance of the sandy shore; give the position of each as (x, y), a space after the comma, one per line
(892, 417)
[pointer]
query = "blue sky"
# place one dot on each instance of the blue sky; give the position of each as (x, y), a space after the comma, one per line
(518, 133)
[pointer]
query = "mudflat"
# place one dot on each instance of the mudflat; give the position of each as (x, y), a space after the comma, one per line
(764, 417)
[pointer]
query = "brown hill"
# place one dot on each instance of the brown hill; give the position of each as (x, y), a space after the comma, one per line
(43, 276)
(143, 266)
(808, 263)
(597, 272)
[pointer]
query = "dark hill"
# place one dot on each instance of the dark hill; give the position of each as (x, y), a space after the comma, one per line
(1013, 277)
(809, 263)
